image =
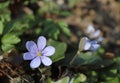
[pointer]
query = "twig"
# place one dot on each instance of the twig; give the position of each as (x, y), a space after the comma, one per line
(17, 73)
(6, 74)
(13, 72)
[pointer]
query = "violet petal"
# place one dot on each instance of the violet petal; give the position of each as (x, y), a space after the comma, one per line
(100, 39)
(35, 62)
(96, 33)
(28, 56)
(93, 42)
(41, 43)
(48, 51)
(46, 60)
(31, 46)
(90, 29)
(87, 46)
(94, 47)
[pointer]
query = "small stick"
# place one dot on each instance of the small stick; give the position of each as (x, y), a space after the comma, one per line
(6, 74)
(17, 74)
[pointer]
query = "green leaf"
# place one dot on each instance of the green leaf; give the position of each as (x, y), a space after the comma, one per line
(79, 78)
(9, 26)
(4, 5)
(114, 80)
(64, 28)
(63, 80)
(71, 3)
(60, 49)
(5, 16)
(117, 60)
(101, 50)
(63, 13)
(20, 25)
(10, 39)
(1, 27)
(92, 60)
(86, 59)
(7, 47)
(51, 29)
(108, 73)
(48, 80)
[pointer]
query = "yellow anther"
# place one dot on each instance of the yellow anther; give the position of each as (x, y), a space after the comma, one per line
(39, 53)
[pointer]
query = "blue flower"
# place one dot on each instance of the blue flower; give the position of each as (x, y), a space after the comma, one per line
(38, 52)
(90, 45)
(94, 34)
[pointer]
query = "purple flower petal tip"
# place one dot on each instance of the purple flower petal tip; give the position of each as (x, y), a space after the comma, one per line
(90, 29)
(41, 43)
(48, 51)
(46, 61)
(35, 62)
(28, 56)
(31, 46)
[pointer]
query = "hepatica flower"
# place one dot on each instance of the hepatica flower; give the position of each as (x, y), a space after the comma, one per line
(90, 45)
(94, 34)
(38, 52)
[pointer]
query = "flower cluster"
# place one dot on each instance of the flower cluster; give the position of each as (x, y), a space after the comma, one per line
(38, 52)
(96, 37)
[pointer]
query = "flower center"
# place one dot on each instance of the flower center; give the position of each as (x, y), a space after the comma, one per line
(39, 54)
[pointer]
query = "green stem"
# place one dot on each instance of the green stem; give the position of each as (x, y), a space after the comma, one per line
(71, 62)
